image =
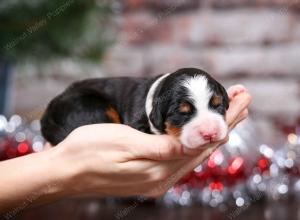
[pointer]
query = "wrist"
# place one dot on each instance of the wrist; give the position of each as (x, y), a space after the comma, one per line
(51, 177)
(69, 169)
(61, 172)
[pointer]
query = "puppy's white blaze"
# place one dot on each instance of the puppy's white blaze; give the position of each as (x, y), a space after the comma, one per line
(149, 102)
(199, 91)
(200, 94)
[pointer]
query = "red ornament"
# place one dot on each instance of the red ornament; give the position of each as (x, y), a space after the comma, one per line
(263, 163)
(216, 186)
(23, 148)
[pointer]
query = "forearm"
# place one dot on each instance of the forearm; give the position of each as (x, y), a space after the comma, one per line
(30, 180)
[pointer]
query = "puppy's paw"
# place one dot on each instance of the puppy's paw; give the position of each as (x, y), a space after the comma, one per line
(233, 91)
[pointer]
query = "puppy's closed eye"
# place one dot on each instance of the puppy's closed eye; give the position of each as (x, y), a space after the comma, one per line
(216, 101)
(185, 107)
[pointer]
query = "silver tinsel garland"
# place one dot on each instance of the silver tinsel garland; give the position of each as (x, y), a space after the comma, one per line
(235, 175)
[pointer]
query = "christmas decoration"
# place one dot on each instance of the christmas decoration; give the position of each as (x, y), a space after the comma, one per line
(237, 174)
(19, 137)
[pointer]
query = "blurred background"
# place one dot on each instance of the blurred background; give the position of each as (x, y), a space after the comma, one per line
(46, 45)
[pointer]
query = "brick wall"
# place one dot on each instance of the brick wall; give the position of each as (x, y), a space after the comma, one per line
(253, 42)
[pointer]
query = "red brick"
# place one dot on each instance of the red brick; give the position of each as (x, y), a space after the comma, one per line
(202, 28)
(160, 5)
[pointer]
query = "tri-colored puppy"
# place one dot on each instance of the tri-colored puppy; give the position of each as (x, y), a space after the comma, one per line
(188, 104)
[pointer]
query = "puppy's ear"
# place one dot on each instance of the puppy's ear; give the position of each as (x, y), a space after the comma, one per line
(156, 115)
(225, 95)
(160, 102)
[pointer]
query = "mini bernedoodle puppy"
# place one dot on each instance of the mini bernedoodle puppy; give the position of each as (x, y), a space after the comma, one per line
(188, 104)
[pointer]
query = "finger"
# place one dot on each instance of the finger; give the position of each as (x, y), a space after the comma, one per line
(201, 149)
(240, 118)
(232, 91)
(236, 106)
(225, 140)
(195, 151)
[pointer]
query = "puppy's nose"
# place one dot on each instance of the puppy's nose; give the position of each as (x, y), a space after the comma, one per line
(208, 136)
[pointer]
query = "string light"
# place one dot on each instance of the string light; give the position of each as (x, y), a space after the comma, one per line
(17, 137)
(263, 163)
(292, 138)
(236, 165)
(216, 186)
(215, 159)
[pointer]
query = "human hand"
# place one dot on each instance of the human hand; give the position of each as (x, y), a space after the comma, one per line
(113, 159)
(106, 159)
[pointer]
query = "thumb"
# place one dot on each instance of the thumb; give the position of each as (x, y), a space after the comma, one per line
(159, 147)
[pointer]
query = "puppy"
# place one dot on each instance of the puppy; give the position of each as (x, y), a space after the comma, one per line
(188, 104)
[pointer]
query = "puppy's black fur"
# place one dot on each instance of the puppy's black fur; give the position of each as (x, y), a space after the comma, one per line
(122, 100)
(171, 93)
